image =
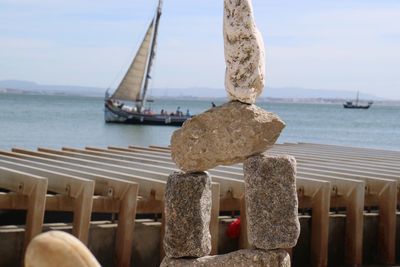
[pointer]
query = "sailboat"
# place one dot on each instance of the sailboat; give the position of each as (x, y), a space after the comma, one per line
(133, 88)
(356, 105)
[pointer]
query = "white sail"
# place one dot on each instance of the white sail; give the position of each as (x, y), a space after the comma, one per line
(131, 85)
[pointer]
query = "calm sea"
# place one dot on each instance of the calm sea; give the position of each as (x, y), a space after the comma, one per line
(30, 121)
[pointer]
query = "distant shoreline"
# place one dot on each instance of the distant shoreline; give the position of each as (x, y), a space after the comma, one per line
(193, 98)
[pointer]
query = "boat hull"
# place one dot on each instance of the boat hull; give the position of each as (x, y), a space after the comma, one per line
(356, 107)
(116, 115)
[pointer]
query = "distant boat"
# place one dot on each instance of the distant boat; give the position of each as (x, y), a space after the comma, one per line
(133, 88)
(356, 105)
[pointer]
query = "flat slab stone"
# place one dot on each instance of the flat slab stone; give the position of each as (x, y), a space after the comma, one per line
(244, 52)
(224, 135)
(240, 258)
(187, 215)
(271, 201)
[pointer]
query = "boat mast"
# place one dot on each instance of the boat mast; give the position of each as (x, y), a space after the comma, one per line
(358, 92)
(151, 56)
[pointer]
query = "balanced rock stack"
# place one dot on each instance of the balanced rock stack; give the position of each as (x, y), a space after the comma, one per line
(235, 132)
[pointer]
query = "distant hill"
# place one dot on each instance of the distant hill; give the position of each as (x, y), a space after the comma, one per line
(281, 92)
(27, 86)
(194, 92)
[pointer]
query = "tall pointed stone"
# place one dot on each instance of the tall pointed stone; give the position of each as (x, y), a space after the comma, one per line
(244, 52)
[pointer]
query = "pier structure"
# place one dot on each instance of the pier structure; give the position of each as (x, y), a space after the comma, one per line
(348, 203)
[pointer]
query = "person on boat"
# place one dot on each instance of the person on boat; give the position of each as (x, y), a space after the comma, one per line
(178, 111)
(187, 112)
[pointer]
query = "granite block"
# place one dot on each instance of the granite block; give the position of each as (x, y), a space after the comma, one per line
(187, 215)
(271, 201)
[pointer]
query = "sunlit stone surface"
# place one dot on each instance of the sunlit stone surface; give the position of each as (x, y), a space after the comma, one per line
(224, 135)
(244, 52)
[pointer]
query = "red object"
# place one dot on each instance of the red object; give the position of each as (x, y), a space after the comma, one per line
(233, 230)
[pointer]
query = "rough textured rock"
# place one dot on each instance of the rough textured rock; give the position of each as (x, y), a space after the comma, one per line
(240, 258)
(244, 52)
(56, 248)
(187, 215)
(271, 201)
(224, 135)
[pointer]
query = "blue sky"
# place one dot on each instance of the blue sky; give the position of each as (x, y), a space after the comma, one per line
(333, 44)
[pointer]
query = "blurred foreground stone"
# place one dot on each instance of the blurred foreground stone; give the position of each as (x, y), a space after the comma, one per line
(240, 258)
(224, 135)
(271, 201)
(56, 248)
(187, 215)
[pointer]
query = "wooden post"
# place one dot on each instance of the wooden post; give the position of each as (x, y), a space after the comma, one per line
(243, 239)
(126, 225)
(320, 226)
(214, 222)
(354, 225)
(162, 234)
(35, 211)
(82, 212)
(387, 223)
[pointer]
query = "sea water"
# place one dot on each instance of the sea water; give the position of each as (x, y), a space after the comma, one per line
(31, 121)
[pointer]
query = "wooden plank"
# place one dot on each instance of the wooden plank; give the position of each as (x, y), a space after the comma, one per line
(349, 149)
(78, 189)
(141, 150)
(148, 186)
(143, 162)
(104, 185)
(235, 186)
(162, 148)
(150, 155)
(339, 160)
(383, 160)
(153, 149)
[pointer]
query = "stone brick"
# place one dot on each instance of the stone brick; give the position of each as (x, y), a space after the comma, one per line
(187, 215)
(271, 201)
